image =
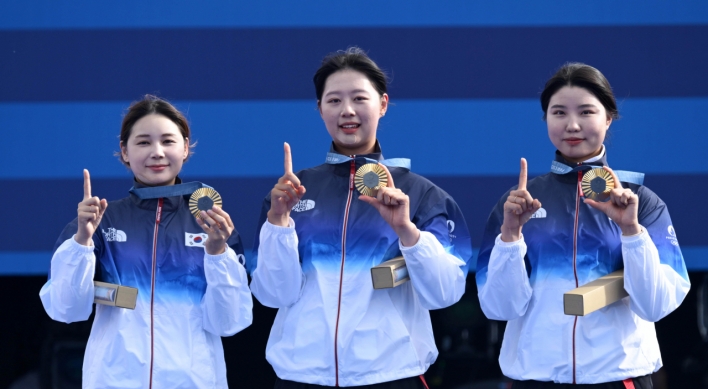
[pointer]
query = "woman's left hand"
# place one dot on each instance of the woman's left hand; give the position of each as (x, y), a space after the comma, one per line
(218, 225)
(622, 207)
(394, 205)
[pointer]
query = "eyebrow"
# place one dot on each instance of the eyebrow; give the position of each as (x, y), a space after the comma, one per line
(352, 91)
(580, 106)
(148, 136)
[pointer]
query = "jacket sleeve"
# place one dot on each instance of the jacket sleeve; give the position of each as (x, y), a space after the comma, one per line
(227, 305)
(502, 276)
(277, 276)
(655, 275)
(67, 296)
(437, 264)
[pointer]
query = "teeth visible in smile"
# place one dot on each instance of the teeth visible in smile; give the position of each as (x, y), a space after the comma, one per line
(350, 126)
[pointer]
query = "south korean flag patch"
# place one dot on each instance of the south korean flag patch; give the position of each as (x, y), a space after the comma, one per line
(194, 240)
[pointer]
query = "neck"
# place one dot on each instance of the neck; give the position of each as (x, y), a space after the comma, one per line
(355, 151)
(172, 182)
(583, 159)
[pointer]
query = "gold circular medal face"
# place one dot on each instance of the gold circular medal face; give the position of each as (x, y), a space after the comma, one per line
(203, 199)
(597, 184)
(369, 178)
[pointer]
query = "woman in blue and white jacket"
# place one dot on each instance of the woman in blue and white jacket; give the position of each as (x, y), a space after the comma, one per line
(568, 241)
(192, 286)
(316, 248)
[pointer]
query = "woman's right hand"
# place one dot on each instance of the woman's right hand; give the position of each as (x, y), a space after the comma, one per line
(285, 194)
(518, 208)
(90, 212)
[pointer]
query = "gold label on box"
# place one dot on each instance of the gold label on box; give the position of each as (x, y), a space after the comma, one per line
(204, 199)
(369, 178)
(597, 184)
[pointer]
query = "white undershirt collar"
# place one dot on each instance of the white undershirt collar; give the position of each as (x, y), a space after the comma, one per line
(597, 157)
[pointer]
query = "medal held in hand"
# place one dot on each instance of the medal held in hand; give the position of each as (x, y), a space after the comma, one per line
(597, 184)
(369, 178)
(203, 199)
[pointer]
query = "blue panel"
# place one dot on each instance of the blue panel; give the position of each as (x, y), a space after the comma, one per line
(442, 137)
(696, 258)
(425, 63)
(25, 263)
(35, 14)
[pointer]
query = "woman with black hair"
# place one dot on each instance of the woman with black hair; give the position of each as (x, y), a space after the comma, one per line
(316, 247)
(569, 240)
(189, 270)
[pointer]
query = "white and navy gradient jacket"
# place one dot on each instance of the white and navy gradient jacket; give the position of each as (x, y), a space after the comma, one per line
(332, 327)
(187, 299)
(565, 245)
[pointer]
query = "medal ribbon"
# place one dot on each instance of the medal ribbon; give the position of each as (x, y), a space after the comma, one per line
(623, 175)
(334, 159)
(154, 192)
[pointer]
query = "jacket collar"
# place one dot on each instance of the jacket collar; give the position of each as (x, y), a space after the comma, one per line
(169, 203)
(563, 166)
(566, 171)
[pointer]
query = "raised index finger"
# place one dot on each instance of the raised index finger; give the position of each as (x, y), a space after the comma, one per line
(523, 174)
(87, 184)
(288, 158)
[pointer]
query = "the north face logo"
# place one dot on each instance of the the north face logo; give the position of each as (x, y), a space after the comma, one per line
(541, 213)
(113, 235)
(304, 205)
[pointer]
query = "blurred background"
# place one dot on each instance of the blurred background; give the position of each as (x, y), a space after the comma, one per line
(465, 82)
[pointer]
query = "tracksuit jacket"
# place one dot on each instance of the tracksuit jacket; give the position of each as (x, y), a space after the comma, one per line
(332, 327)
(187, 299)
(567, 244)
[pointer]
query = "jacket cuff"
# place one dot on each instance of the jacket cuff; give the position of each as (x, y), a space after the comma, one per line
(78, 247)
(218, 257)
(273, 229)
(417, 246)
(509, 247)
(634, 241)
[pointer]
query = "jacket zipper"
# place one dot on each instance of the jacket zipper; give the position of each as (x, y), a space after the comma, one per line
(575, 253)
(158, 215)
(341, 269)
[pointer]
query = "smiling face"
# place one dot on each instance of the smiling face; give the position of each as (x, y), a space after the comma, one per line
(155, 150)
(577, 123)
(351, 108)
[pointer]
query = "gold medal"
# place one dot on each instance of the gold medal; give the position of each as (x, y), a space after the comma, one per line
(369, 178)
(203, 199)
(597, 184)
